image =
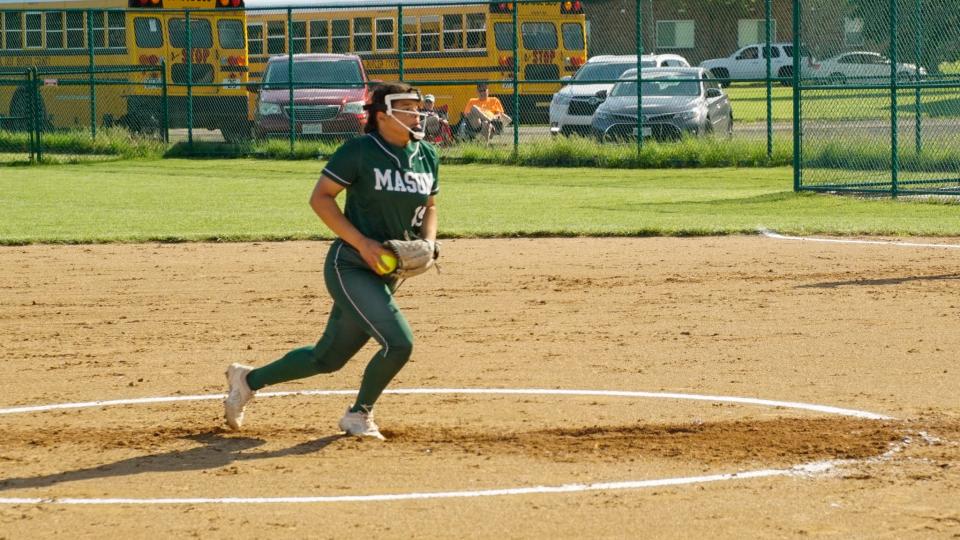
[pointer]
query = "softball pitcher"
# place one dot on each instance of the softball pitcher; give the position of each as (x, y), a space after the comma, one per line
(391, 182)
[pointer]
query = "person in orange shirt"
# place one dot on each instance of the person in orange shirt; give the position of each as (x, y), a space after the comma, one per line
(483, 111)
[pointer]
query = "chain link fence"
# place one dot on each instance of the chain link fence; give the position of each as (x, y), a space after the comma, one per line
(883, 117)
(715, 77)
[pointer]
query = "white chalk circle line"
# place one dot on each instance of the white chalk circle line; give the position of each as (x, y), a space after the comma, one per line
(805, 469)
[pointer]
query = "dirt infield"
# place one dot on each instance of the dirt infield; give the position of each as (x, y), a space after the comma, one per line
(865, 327)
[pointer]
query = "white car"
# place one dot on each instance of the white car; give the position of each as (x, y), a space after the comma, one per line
(750, 63)
(572, 107)
(865, 67)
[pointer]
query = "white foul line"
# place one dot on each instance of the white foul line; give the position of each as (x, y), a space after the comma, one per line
(771, 234)
(494, 391)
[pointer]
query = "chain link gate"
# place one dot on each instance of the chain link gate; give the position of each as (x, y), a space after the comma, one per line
(881, 116)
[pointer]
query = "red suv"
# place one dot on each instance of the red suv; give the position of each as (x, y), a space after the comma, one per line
(328, 96)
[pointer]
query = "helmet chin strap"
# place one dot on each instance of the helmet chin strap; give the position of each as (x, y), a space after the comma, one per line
(416, 135)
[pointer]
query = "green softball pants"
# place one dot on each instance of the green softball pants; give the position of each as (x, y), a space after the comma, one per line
(363, 308)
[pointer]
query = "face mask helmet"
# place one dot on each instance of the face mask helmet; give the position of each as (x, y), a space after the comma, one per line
(416, 135)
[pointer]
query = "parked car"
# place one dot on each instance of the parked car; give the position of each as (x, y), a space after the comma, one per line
(750, 63)
(865, 67)
(676, 101)
(328, 97)
(572, 107)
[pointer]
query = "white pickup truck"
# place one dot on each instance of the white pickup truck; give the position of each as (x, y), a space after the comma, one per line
(750, 63)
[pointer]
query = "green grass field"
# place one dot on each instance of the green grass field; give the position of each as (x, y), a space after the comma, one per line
(749, 103)
(190, 200)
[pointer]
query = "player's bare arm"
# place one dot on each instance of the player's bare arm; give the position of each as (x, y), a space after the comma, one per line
(324, 203)
(429, 230)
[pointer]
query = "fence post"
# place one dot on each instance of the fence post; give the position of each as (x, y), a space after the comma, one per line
(35, 122)
(189, 36)
(164, 105)
(639, 51)
(918, 50)
(768, 11)
(516, 82)
(93, 85)
(797, 135)
(292, 110)
(399, 40)
(894, 128)
(28, 85)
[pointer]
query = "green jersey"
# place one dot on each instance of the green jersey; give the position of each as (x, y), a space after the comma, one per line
(387, 186)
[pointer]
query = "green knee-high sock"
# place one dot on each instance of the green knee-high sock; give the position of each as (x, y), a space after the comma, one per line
(296, 364)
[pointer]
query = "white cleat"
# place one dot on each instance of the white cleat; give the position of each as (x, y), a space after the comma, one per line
(238, 395)
(361, 424)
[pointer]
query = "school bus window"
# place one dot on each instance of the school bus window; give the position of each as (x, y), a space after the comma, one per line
(476, 31)
(54, 29)
(231, 33)
(539, 36)
(410, 34)
(362, 35)
(34, 30)
(503, 35)
(572, 36)
(276, 37)
(384, 34)
(452, 32)
(340, 42)
(76, 31)
(12, 30)
(430, 33)
(319, 33)
(146, 31)
(298, 34)
(200, 33)
(116, 29)
(255, 39)
(97, 18)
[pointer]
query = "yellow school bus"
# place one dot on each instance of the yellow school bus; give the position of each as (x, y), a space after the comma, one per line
(56, 37)
(441, 42)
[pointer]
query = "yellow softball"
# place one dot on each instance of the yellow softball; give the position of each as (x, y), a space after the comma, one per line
(388, 263)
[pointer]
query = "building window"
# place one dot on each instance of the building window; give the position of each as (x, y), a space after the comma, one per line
(362, 35)
(452, 32)
(675, 34)
(254, 39)
(55, 30)
(430, 33)
(340, 42)
(410, 34)
(384, 34)
(276, 37)
(299, 37)
(34, 33)
(853, 32)
(319, 35)
(750, 31)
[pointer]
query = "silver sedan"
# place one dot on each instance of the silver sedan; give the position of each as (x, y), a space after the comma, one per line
(676, 101)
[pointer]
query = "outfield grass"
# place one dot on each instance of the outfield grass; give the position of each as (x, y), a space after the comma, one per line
(188, 200)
